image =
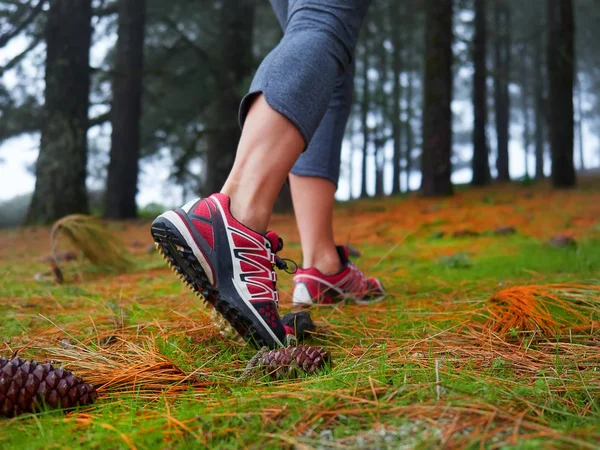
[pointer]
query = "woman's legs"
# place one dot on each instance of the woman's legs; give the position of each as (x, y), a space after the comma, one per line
(313, 204)
(291, 93)
(268, 148)
(230, 262)
(314, 177)
(313, 182)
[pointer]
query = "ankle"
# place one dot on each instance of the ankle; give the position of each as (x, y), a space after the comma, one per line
(250, 201)
(327, 262)
(250, 213)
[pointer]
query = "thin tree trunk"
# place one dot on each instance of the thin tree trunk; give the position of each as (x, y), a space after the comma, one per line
(410, 60)
(526, 127)
(561, 64)
(351, 170)
(397, 94)
(480, 162)
(437, 114)
(501, 80)
(525, 92)
(379, 166)
(580, 123)
(61, 165)
(539, 104)
(381, 96)
(365, 105)
(410, 142)
(126, 111)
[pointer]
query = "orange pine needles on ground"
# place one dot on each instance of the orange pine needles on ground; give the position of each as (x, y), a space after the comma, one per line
(127, 367)
(547, 310)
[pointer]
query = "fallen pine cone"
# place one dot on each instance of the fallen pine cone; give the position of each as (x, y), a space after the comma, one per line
(562, 241)
(465, 233)
(504, 231)
(290, 362)
(25, 386)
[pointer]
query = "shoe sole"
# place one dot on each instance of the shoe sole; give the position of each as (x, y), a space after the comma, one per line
(181, 259)
(371, 301)
(346, 301)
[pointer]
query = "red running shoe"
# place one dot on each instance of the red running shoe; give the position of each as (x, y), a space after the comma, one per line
(312, 287)
(228, 264)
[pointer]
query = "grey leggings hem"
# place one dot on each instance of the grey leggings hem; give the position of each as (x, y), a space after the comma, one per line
(274, 103)
(311, 172)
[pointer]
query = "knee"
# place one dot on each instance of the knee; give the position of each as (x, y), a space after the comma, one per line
(324, 31)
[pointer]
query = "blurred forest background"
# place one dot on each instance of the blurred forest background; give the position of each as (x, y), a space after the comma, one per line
(444, 90)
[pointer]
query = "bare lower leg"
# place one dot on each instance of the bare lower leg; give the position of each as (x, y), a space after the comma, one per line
(269, 147)
(313, 199)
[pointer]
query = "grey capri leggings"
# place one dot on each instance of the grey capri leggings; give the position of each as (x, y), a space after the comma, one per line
(308, 77)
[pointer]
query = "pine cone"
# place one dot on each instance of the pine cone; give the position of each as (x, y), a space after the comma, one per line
(290, 362)
(25, 386)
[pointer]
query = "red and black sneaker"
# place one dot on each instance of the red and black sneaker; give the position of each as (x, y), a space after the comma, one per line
(311, 287)
(228, 264)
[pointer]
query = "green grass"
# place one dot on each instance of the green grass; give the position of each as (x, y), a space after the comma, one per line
(520, 395)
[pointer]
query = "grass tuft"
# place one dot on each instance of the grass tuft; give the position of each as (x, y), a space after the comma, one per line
(97, 243)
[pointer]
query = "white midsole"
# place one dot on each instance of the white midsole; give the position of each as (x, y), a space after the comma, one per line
(174, 218)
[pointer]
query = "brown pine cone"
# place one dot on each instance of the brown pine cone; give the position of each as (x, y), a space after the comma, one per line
(25, 386)
(290, 362)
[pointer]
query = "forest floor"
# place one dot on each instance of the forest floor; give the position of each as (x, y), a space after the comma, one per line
(487, 339)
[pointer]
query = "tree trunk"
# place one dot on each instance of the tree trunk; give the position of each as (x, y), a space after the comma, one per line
(561, 64)
(501, 80)
(364, 112)
(410, 142)
(538, 86)
(382, 98)
(126, 111)
(61, 165)
(437, 115)
(410, 60)
(524, 69)
(236, 25)
(397, 94)
(580, 124)
(379, 166)
(526, 124)
(480, 162)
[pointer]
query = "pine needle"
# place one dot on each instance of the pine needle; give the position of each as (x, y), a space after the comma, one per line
(544, 309)
(97, 244)
(126, 367)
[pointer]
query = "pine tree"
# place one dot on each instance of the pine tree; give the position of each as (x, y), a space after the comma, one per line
(394, 8)
(561, 69)
(365, 107)
(539, 104)
(502, 48)
(60, 187)
(437, 115)
(121, 185)
(480, 162)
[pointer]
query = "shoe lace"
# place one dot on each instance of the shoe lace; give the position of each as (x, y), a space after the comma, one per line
(359, 280)
(287, 265)
(284, 264)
